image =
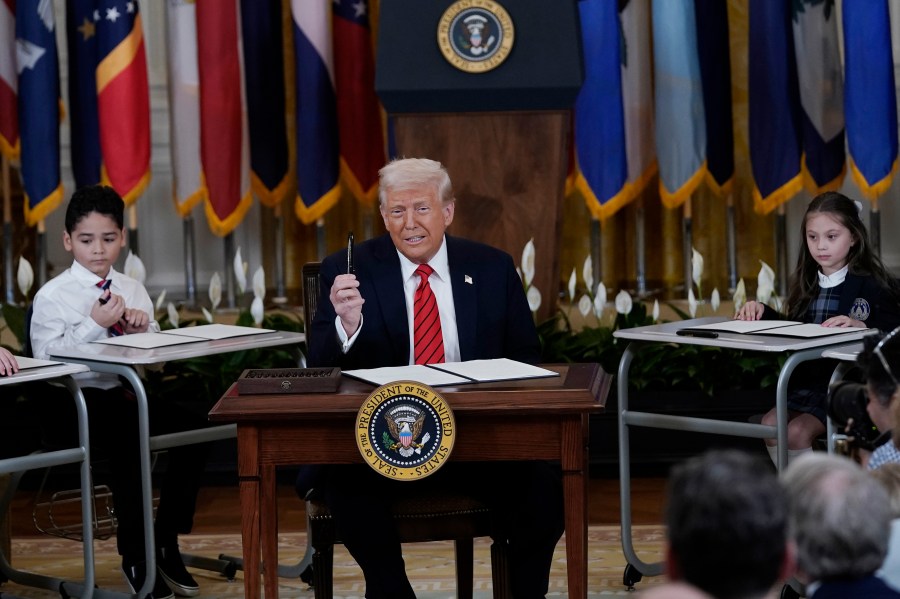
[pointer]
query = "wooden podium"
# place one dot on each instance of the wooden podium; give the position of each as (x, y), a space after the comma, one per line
(503, 133)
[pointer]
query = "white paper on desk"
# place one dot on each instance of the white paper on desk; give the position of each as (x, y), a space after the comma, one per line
(746, 326)
(147, 340)
(420, 374)
(500, 369)
(810, 330)
(216, 331)
(26, 363)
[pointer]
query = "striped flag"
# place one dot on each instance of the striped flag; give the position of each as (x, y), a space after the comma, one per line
(265, 92)
(39, 108)
(774, 106)
(818, 58)
(316, 122)
(9, 120)
(715, 68)
(602, 169)
(870, 96)
(223, 140)
(359, 113)
(637, 94)
(184, 105)
(680, 124)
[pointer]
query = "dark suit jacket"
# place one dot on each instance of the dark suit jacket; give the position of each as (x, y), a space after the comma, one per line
(870, 587)
(492, 315)
(884, 309)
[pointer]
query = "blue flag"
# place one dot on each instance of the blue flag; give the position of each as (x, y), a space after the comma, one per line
(870, 98)
(39, 108)
(599, 120)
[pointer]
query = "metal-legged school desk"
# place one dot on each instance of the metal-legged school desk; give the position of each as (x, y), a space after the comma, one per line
(78, 455)
(800, 350)
(123, 361)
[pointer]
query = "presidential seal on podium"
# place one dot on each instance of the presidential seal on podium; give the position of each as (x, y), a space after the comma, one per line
(405, 430)
(475, 35)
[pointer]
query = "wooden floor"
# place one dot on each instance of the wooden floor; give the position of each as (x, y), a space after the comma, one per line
(218, 508)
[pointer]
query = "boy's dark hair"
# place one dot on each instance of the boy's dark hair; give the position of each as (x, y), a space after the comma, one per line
(727, 519)
(95, 198)
(861, 260)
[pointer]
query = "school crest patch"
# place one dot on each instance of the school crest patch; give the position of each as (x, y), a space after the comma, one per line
(405, 430)
(860, 309)
(475, 35)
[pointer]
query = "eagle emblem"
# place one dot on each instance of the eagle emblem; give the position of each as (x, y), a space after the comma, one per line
(404, 423)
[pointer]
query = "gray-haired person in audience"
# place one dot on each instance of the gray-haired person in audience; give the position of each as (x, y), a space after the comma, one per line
(840, 521)
(727, 523)
(889, 476)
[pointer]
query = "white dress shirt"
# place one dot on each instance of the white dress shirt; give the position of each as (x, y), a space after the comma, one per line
(61, 316)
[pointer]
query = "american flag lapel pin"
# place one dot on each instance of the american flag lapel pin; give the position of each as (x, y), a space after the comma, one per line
(468, 280)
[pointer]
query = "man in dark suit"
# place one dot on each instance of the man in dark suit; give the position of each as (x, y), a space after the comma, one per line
(369, 319)
(841, 522)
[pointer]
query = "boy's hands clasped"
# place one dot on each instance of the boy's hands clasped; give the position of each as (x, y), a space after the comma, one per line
(114, 311)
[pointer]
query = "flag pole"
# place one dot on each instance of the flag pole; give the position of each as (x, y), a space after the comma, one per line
(41, 250)
(190, 261)
(731, 242)
(280, 295)
(228, 244)
(687, 243)
(596, 240)
(875, 227)
(781, 249)
(7, 232)
(640, 255)
(320, 239)
(132, 230)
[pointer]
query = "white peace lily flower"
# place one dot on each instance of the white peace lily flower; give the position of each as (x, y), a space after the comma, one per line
(134, 268)
(528, 262)
(696, 267)
(600, 300)
(259, 283)
(655, 310)
(765, 283)
(572, 281)
(24, 276)
(740, 295)
(240, 271)
(584, 305)
(624, 303)
(257, 310)
(714, 301)
(587, 273)
(159, 300)
(173, 314)
(692, 303)
(215, 290)
(534, 298)
(207, 315)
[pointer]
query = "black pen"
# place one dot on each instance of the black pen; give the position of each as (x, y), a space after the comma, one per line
(350, 253)
(105, 287)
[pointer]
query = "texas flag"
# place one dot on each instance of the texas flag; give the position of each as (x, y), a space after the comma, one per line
(9, 120)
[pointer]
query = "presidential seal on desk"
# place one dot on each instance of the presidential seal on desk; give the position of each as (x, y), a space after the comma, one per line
(405, 430)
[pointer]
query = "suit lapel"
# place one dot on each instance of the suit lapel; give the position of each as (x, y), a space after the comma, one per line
(464, 298)
(387, 279)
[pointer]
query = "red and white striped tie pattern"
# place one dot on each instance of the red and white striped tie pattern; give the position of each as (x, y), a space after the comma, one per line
(428, 341)
(116, 329)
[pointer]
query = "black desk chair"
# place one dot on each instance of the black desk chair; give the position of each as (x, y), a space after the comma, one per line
(419, 516)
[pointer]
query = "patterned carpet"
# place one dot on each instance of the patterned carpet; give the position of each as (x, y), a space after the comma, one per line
(430, 565)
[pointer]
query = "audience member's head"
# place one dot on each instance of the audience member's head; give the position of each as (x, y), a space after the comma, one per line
(727, 525)
(840, 518)
(880, 363)
(889, 476)
(674, 590)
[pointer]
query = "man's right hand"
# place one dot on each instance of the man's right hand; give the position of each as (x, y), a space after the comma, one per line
(347, 302)
(108, 314)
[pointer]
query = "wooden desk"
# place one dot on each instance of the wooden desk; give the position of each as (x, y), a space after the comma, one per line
(537, 419)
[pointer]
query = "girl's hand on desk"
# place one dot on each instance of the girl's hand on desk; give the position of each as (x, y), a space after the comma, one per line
(8, 364)
(844, 321)
(750, 311)
(135, 321)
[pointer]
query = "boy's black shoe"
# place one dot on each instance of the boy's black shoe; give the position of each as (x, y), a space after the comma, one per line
(171, 568)
(136, 573)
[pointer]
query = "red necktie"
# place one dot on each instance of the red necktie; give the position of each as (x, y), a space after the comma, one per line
(428, 341)
(116, 329)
